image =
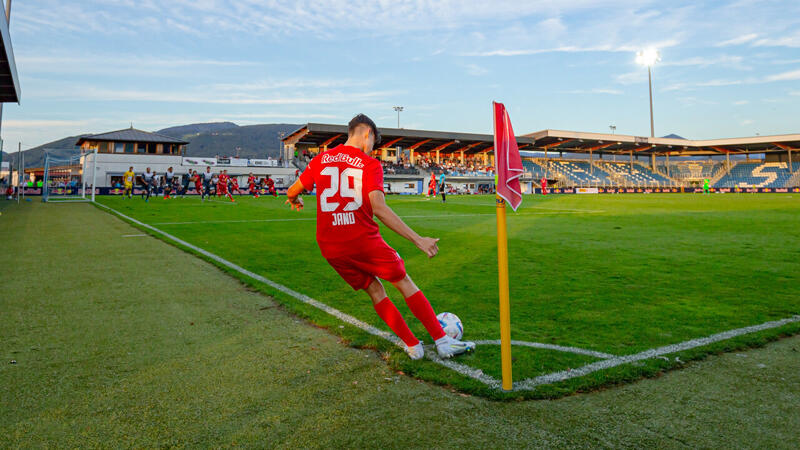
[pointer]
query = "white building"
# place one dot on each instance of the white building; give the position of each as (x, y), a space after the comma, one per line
(119, 150)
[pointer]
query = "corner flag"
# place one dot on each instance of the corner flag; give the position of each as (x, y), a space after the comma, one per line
(508, 163)
(508, 166)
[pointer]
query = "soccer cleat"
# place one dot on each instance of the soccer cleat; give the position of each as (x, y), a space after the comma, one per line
(449, 347)
(416, 352)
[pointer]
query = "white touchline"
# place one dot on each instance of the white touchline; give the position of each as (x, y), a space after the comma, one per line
(477, 374)
(133, 235)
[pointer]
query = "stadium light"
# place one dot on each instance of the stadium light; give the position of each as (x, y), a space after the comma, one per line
(649, 57)
(398, 109)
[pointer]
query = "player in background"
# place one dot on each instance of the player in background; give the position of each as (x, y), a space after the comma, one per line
(706, 189)
(169, 175)
(544, 185)
(251, 185)
(127, 179)
(222, 185)
(235, 185)
(198, 183)
(207, 177)
(442, 187)
(271, 186)
(185, 180)
(431, 186)
(147, 179)
(349, 185)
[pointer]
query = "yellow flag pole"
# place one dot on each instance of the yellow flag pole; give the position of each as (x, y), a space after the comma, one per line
(505, 312)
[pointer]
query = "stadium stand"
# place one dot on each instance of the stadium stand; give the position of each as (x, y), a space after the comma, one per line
(636, 174)
(579, 172)
(692, 170)
(758, 174)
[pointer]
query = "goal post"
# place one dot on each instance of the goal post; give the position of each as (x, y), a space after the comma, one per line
(60, 184)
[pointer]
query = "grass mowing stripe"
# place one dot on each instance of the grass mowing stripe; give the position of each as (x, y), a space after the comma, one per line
(438, 216)
(460, 368)
(648, 354)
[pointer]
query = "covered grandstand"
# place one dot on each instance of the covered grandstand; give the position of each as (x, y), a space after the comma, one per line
(578, 159)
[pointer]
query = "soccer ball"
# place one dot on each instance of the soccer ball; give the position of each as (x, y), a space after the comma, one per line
(451, 324)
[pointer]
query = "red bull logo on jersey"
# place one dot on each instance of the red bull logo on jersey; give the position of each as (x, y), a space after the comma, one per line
(342, 157)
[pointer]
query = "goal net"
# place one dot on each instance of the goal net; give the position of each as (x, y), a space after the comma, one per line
(69, 178)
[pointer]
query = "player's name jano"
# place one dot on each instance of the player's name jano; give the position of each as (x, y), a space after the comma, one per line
(346, 218)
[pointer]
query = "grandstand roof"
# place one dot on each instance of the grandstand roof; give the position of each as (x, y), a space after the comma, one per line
(581, 142)
(319, 134)
(130, 135)
(9, 81)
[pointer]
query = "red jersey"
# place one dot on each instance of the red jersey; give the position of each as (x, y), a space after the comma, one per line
(251, 180)
(235, 183)
(344, 176)
(270, 183)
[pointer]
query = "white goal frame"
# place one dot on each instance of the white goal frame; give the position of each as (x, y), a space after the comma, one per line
(79, 196)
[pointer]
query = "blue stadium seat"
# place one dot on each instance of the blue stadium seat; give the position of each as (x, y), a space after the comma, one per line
(758, 174)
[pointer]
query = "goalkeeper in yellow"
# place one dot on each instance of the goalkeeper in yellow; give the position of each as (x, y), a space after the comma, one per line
(127, 179)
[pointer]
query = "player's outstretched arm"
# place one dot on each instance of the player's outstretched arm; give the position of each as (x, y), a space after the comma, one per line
(293, 195)
(386, 215)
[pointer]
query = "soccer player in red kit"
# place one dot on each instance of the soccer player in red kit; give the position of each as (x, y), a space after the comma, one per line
(251, 185)
(235, 186)
(271, 186)
(544, 185)
(198, 183)
(349, 187)
(222, 185)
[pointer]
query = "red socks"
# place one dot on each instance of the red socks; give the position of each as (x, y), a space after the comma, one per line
(389, 313)
(423, 311)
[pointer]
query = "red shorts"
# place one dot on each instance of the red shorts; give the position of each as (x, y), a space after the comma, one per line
(371, 262)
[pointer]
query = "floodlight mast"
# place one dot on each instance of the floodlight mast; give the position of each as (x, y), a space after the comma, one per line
(398, 109)
(649, 57)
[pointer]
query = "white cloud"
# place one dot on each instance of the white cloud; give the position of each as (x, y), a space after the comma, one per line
(699, 61)
(738, 40)
(785, 76)
(476, 70)
(42, 123)
(594, 91)
(787, 40)
(741, 102)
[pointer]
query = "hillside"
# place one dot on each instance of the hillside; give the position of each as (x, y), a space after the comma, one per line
(188, 131)
(34, 157)
(254, 141)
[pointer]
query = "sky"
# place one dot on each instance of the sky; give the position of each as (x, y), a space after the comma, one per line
(727, 69)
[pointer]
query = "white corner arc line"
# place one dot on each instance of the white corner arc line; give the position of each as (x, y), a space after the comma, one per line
(560, 348)
(555, 377)
(465, 370)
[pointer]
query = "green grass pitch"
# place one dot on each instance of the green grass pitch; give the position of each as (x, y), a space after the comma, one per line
(611, 274)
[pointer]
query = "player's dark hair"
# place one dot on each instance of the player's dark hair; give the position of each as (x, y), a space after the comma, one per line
(362, 119)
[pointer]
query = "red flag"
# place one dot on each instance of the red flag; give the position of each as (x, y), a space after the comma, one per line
(508, 163)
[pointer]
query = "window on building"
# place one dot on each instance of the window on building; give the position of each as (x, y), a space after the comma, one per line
(168, 149)
(129, 147)
(151, 148)
(104, 147)
(119, 147)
